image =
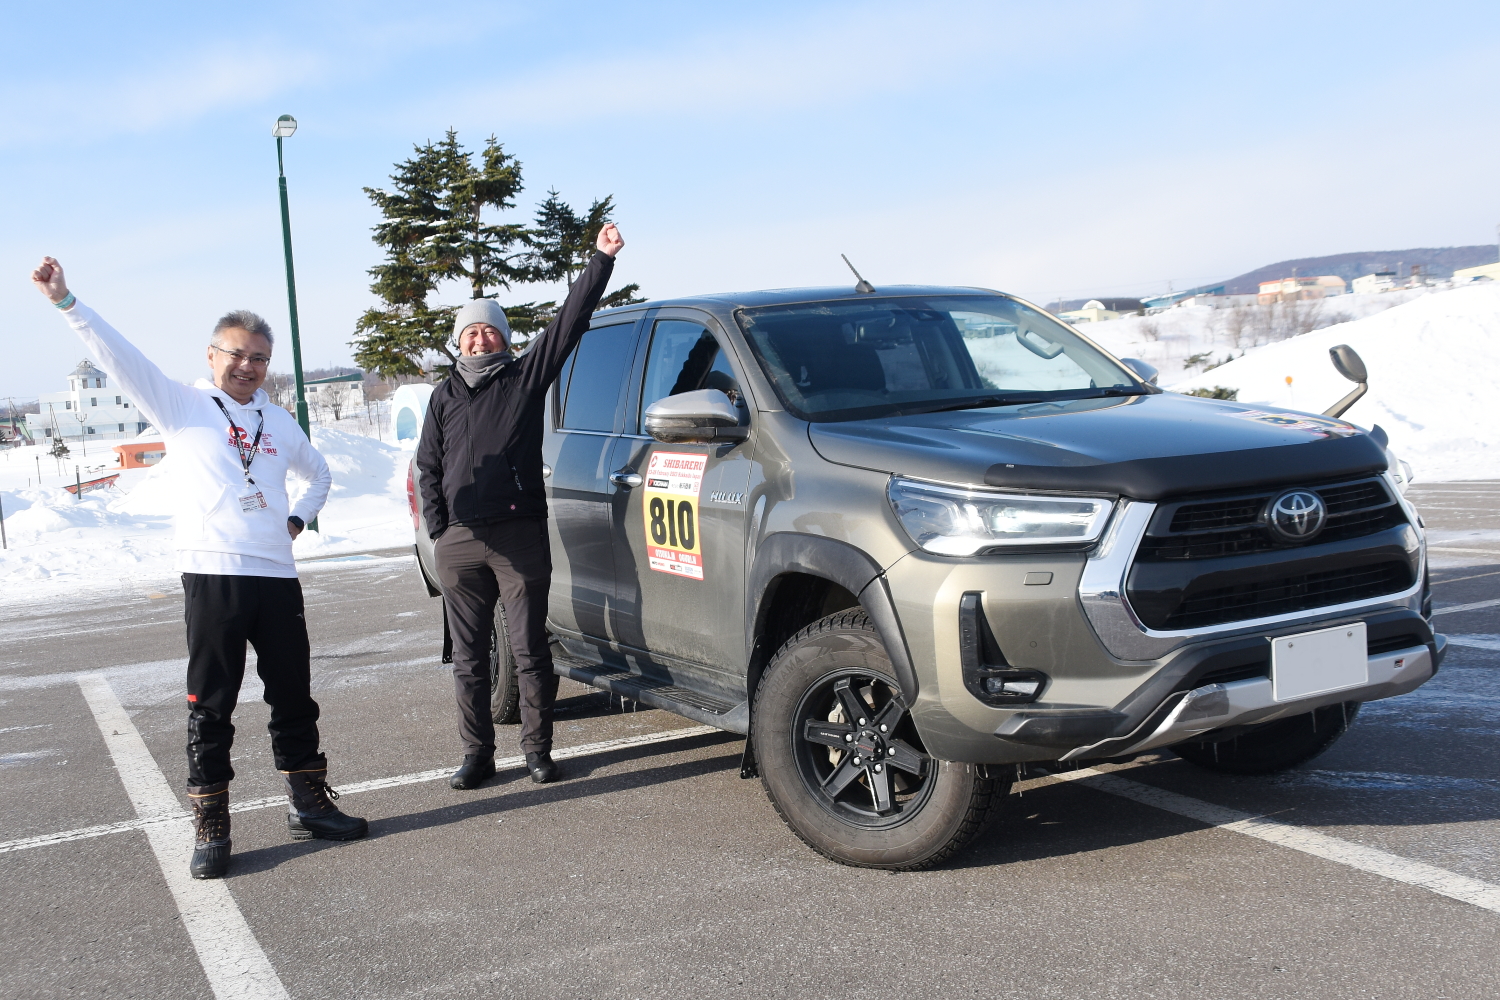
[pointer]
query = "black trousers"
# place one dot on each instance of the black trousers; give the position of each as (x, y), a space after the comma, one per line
(223, 614)
(477, 565)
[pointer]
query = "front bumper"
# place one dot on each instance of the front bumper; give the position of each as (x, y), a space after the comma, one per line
(1186, 714)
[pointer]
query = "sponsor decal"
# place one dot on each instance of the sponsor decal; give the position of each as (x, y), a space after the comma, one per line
(1321, 427)
(722, 497)
(670, 510)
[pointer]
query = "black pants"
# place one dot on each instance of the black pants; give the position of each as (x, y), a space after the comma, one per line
(223, 614)
(509, 561)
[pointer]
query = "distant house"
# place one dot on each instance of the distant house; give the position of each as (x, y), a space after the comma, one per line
(339, 393)
(1301, 289)
(1467, 274)
(1380, 281)
(90, 410)
(1167, 301)
(1092, 311)
(1217, 301)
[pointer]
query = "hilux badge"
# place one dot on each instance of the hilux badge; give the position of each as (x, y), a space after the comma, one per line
(1297, 515)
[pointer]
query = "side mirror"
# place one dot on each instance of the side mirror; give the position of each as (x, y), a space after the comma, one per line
(1146, 373)
(1352, 367)
(700, 416)
(1349, 364)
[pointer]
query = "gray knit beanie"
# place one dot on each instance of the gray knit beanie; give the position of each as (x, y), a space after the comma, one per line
(481, 311)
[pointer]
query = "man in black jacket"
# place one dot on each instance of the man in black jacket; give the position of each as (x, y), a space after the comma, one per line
(480, 458)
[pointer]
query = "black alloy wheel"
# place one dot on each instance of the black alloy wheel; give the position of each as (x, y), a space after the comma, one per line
(858, 752)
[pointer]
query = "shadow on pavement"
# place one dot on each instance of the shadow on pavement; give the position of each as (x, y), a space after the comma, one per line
(577, 783)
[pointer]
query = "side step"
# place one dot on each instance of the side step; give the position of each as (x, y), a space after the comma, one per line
(661, 694)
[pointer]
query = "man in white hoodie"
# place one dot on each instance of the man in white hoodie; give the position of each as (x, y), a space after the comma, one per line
(231, 449)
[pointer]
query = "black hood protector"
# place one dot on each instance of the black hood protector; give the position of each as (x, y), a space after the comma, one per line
(1144, 448)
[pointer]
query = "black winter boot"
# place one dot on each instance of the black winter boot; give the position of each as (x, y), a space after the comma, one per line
(313, 813)
(210, 830)
(476, 769)
(543, 769)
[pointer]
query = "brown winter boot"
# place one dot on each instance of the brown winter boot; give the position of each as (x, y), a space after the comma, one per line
(210, 829)
(313, 813)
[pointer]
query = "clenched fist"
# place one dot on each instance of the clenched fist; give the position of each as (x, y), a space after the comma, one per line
(609, 242)
(48, 279)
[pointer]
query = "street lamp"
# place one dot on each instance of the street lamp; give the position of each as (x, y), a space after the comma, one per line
(285, 126)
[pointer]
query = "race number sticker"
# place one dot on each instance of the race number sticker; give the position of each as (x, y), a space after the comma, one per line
(670, 505)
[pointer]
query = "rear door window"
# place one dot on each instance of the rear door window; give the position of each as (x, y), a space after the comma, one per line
(596, 378)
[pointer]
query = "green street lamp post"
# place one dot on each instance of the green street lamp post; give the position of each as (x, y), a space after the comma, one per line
(286, 125)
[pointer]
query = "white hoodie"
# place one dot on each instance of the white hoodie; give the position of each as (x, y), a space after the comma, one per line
(222, 528)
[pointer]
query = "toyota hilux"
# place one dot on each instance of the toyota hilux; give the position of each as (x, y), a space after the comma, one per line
(908, 540)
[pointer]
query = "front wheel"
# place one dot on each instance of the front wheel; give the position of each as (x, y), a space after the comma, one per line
(1274, 746)
(845, 767)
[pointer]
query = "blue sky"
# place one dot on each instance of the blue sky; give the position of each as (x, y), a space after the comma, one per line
(1062, 148)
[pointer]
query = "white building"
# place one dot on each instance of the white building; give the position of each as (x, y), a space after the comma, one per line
(90, 409)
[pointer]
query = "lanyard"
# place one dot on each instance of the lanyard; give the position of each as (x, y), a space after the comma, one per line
(246, 456)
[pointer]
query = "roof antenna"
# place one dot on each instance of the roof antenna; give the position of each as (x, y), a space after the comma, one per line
(863, 286)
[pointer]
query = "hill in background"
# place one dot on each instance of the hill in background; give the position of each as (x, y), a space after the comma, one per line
(1437, 262)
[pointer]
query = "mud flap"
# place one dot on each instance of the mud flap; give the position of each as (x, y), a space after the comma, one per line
(748, 767)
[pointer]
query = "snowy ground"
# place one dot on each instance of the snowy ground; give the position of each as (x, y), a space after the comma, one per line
(60, 548)
(1432, 361)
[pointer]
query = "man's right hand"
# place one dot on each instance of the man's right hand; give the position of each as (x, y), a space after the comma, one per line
(48, 279)
(610, 241)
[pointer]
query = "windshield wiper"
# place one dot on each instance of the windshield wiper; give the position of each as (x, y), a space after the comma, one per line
(970, 404)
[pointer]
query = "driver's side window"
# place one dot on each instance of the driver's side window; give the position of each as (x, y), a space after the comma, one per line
(684, 356)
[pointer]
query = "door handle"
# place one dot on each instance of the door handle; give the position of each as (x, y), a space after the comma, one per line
(626, 479)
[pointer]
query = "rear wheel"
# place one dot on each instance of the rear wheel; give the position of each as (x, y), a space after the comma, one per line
(1274, 746)
(505, 692)
(843, 764)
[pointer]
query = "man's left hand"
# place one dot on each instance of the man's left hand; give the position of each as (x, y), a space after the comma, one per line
(293, 529)
(610, 241)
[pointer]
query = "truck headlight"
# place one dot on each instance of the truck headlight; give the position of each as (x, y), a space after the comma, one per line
(957, 522)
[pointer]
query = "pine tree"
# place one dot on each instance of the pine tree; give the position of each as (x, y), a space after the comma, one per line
(436, 225)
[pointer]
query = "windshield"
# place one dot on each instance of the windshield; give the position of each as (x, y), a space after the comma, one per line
(856, 359)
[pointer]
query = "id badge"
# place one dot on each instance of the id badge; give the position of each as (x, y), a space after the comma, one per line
(251, 502)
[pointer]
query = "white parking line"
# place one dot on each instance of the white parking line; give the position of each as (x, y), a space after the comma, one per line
(1466, 607)
(232, 959)
(249, 805)
(1344, 852)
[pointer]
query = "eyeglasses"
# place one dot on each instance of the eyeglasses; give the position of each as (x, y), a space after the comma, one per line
(257, 360)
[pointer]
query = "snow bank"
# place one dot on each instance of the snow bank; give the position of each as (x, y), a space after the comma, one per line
(1432, 363)
(120, 540)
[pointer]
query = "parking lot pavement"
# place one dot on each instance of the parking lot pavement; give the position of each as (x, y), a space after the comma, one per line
(655, 870)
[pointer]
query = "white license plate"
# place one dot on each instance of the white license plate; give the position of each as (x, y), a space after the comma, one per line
(1314, 663)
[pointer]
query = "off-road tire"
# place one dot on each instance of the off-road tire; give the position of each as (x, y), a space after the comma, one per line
(946, 804)
(505, 691)
(1274, 746)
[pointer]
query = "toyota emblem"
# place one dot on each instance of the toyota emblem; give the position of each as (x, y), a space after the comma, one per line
(1297, 515)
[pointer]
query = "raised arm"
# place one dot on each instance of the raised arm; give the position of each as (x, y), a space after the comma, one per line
(165, 402)
(545, 360)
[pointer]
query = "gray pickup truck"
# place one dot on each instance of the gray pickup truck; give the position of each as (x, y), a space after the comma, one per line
(907, 540)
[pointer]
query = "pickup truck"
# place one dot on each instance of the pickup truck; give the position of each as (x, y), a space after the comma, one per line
(909, 540)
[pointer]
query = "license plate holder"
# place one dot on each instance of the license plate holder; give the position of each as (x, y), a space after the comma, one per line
(1314, 663)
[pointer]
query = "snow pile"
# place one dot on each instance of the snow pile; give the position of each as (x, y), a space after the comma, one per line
(1432, 364)
(120, 539)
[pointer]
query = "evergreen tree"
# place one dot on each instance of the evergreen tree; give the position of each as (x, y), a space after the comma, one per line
(437, 225)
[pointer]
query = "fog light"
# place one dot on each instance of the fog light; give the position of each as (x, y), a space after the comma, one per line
(1008, 686)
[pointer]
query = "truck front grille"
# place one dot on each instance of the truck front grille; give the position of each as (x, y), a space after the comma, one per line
(1213, 529)
(1304, 592)
(1207, 561)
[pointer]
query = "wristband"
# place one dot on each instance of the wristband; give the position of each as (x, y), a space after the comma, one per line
(294, 519)
(66, 303)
